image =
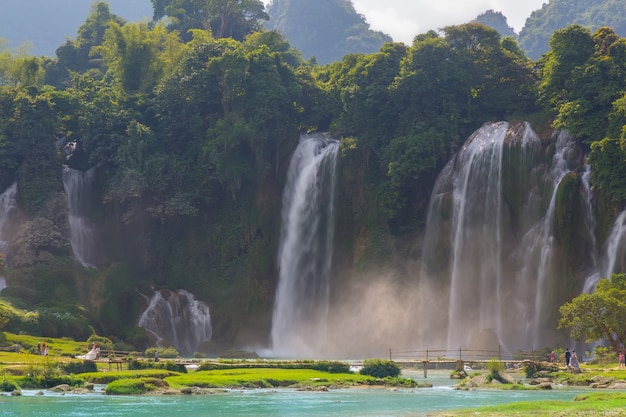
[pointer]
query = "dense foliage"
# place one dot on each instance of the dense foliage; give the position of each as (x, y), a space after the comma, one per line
(188, 126)
(380, 368)
(599, 316)
(558, 14)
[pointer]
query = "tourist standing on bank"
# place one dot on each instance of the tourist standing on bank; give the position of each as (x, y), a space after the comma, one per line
(568, 357)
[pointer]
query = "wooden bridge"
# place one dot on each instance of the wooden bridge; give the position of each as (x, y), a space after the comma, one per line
(458, 357)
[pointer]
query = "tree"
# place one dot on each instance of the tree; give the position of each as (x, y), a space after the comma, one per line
(225, 18)
(78, 54)
(601, 315)
(138, 56)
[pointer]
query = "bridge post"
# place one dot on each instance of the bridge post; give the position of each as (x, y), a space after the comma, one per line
(425, 369)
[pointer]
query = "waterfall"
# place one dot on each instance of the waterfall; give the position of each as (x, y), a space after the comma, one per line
(490, 255)
(615, 247)
(178, 318)
(8, 206)
(77, 185)
(476, 200)
(305, 252)
(543, 234)
(613, 256)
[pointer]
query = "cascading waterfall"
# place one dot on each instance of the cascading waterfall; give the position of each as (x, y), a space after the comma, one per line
(543, 235)
(77, 185)
(614, 254)
(496, 202)
(8, 206)
(178, 318)
(590, 218)
(476, 200)
(305, 252)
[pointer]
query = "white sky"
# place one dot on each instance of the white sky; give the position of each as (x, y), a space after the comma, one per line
(403, 19)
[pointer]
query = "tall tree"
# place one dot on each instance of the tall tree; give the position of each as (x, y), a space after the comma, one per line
(598, 316)
(225, 18)
(78, 55)
(137, 55)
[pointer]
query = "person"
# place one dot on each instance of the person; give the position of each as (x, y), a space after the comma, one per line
(574, 362)
(156, 355)
(621, 358)
(568, 356)
(38, 348)
(552, 356)
(93, 354)
(44, 349)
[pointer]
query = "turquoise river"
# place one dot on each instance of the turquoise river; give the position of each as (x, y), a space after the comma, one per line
(278, 402)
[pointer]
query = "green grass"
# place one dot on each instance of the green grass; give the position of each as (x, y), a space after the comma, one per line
(264, 378)
(108, 377)
(56, 346)
(134, 386)
(587, 405)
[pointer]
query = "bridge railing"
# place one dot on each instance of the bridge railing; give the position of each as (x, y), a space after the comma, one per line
(433, 355)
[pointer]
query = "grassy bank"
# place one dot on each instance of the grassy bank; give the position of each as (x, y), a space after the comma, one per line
(597, 404)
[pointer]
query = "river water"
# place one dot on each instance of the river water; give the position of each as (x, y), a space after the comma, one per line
(281, 402)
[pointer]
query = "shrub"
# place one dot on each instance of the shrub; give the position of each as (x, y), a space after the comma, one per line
(332, 367)
(534, 369)
(79, 367)
(104, 342)
(380, 368)
(9, 385)
(168, 352)
(167, 365)
(495, 367)
(604, 355)
(133, 386)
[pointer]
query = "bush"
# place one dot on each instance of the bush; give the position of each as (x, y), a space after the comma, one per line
(166, 365)
(133, 386)
(104, 342)
(80, 367)
(495, 367)
(603, 356)
(9, 385)
(332, 367)
(535, 369)
(380, 368)
(164, 353)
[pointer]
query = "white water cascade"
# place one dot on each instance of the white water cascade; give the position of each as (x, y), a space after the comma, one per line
(8, 207)
(613, 259)
(178, 318)
(77, 185)
(541, 237)
(490, 251)
(305, 252)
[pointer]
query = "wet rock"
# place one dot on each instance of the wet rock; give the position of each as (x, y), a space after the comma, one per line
(61, 388)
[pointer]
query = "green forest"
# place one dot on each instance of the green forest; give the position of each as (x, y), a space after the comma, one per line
(189, 124)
